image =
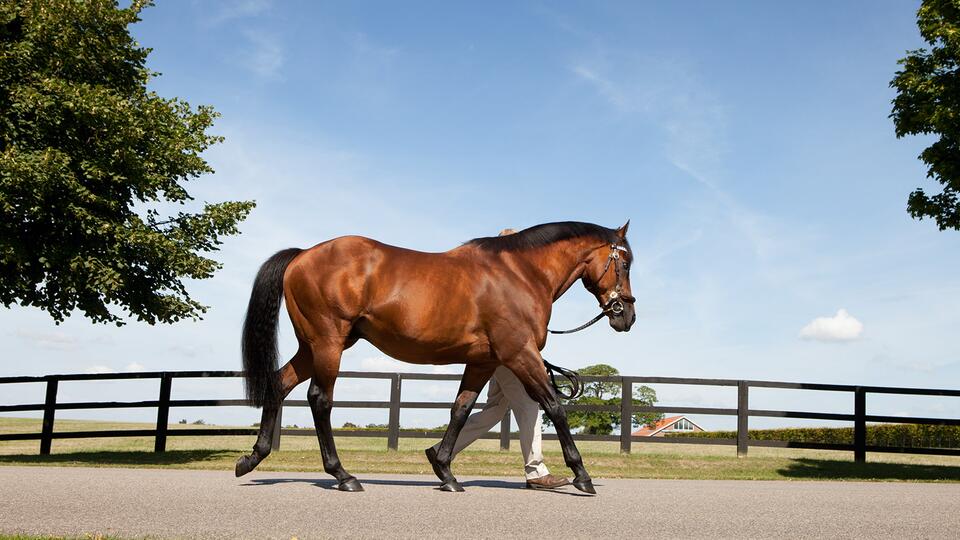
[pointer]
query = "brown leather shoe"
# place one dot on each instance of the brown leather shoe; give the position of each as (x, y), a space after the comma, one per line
(547, 482)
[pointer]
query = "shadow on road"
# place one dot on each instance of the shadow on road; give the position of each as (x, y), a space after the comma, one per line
(170, 457)
(332, 485)
(845, 470)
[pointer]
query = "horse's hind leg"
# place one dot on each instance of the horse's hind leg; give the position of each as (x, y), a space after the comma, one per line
(297, 370)
(474, 377)
(320, 397)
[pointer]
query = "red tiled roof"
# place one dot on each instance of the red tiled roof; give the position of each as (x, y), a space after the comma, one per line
(646, 431)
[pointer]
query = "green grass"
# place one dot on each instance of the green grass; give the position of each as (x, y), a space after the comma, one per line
(369, 455)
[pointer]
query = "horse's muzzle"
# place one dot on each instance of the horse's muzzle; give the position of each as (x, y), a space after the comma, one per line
(622, 316)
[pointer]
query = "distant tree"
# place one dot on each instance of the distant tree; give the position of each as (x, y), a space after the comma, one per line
(350, 425)
(93, 167)
(928, 103)
(184, 421)
(199, 422)
(607, 393)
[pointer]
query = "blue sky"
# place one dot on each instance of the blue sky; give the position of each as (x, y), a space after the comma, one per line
(749, 143)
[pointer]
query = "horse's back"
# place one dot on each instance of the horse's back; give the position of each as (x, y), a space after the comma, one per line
(372, 257)
(407, 303)
(355, 271)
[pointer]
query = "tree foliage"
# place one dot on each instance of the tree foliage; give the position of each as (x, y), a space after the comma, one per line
(928, 103)
(93, 208)
(607, 393)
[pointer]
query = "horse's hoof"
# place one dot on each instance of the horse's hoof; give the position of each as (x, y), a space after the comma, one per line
(585, 486)
(350, 484)
(245, 464)
(451, 485)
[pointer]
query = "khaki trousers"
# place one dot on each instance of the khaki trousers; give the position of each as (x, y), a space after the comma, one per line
(506, 392)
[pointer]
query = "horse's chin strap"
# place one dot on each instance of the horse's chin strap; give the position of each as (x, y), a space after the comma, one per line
(614, 303)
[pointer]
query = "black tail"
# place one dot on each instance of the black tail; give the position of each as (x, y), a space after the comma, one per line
(259, 345)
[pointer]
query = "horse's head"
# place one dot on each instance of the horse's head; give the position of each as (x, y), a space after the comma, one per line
(607, 276)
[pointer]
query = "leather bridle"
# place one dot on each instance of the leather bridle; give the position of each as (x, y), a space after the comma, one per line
(615, 299)
(614, 305)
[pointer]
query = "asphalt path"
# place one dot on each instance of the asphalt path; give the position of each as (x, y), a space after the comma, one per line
(213, 504)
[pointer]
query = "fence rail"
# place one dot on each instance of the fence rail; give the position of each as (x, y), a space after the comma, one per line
(743, 412)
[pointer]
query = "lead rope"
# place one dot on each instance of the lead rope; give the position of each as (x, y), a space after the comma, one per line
(581, 327)
(576, 389)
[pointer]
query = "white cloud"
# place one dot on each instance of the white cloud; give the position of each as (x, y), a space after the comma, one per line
(452, 368)
(382, 363)
(99, 369)
(265, 56)
(840, 327)
(668, 93)
(609, 90)
(914, 364)
(364, 46)
(263, 53)
(240, 9)
(56, 340)
(441, 392)
(188, 350)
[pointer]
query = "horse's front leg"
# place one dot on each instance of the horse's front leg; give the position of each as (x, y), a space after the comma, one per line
(474, 378)
(528, 367)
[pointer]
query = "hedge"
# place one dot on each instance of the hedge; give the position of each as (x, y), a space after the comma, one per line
(900, 435)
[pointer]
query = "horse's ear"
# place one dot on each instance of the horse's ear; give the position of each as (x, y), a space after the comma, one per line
(622, 231)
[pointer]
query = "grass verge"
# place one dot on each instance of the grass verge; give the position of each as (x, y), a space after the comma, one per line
(369, 455)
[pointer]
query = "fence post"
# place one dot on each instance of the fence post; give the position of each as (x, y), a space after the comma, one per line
(626, 414)
(275, 436)
(393, 433)
(163, 413)
(49, 410)
(743, 418)
(505, 432)
(859, 425)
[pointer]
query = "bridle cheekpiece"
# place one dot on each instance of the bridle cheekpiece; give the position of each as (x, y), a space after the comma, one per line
(614, 303)
(615, 298)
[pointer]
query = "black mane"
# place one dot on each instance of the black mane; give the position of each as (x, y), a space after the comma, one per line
(542, 235)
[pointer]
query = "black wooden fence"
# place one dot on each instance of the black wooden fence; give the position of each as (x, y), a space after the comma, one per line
(743, 412)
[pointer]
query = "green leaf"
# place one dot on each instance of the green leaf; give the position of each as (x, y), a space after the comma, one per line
(928, 103)
(84, 148)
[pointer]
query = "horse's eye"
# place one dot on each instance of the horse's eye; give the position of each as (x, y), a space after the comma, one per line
(626, 265)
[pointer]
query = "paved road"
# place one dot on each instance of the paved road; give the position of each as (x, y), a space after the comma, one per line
(213, 504)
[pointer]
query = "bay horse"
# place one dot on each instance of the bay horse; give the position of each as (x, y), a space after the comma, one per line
(484, 304)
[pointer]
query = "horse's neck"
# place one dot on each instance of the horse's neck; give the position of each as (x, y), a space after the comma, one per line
(561, 264)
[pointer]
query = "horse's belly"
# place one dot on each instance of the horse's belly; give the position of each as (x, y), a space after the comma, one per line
(426, 347)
